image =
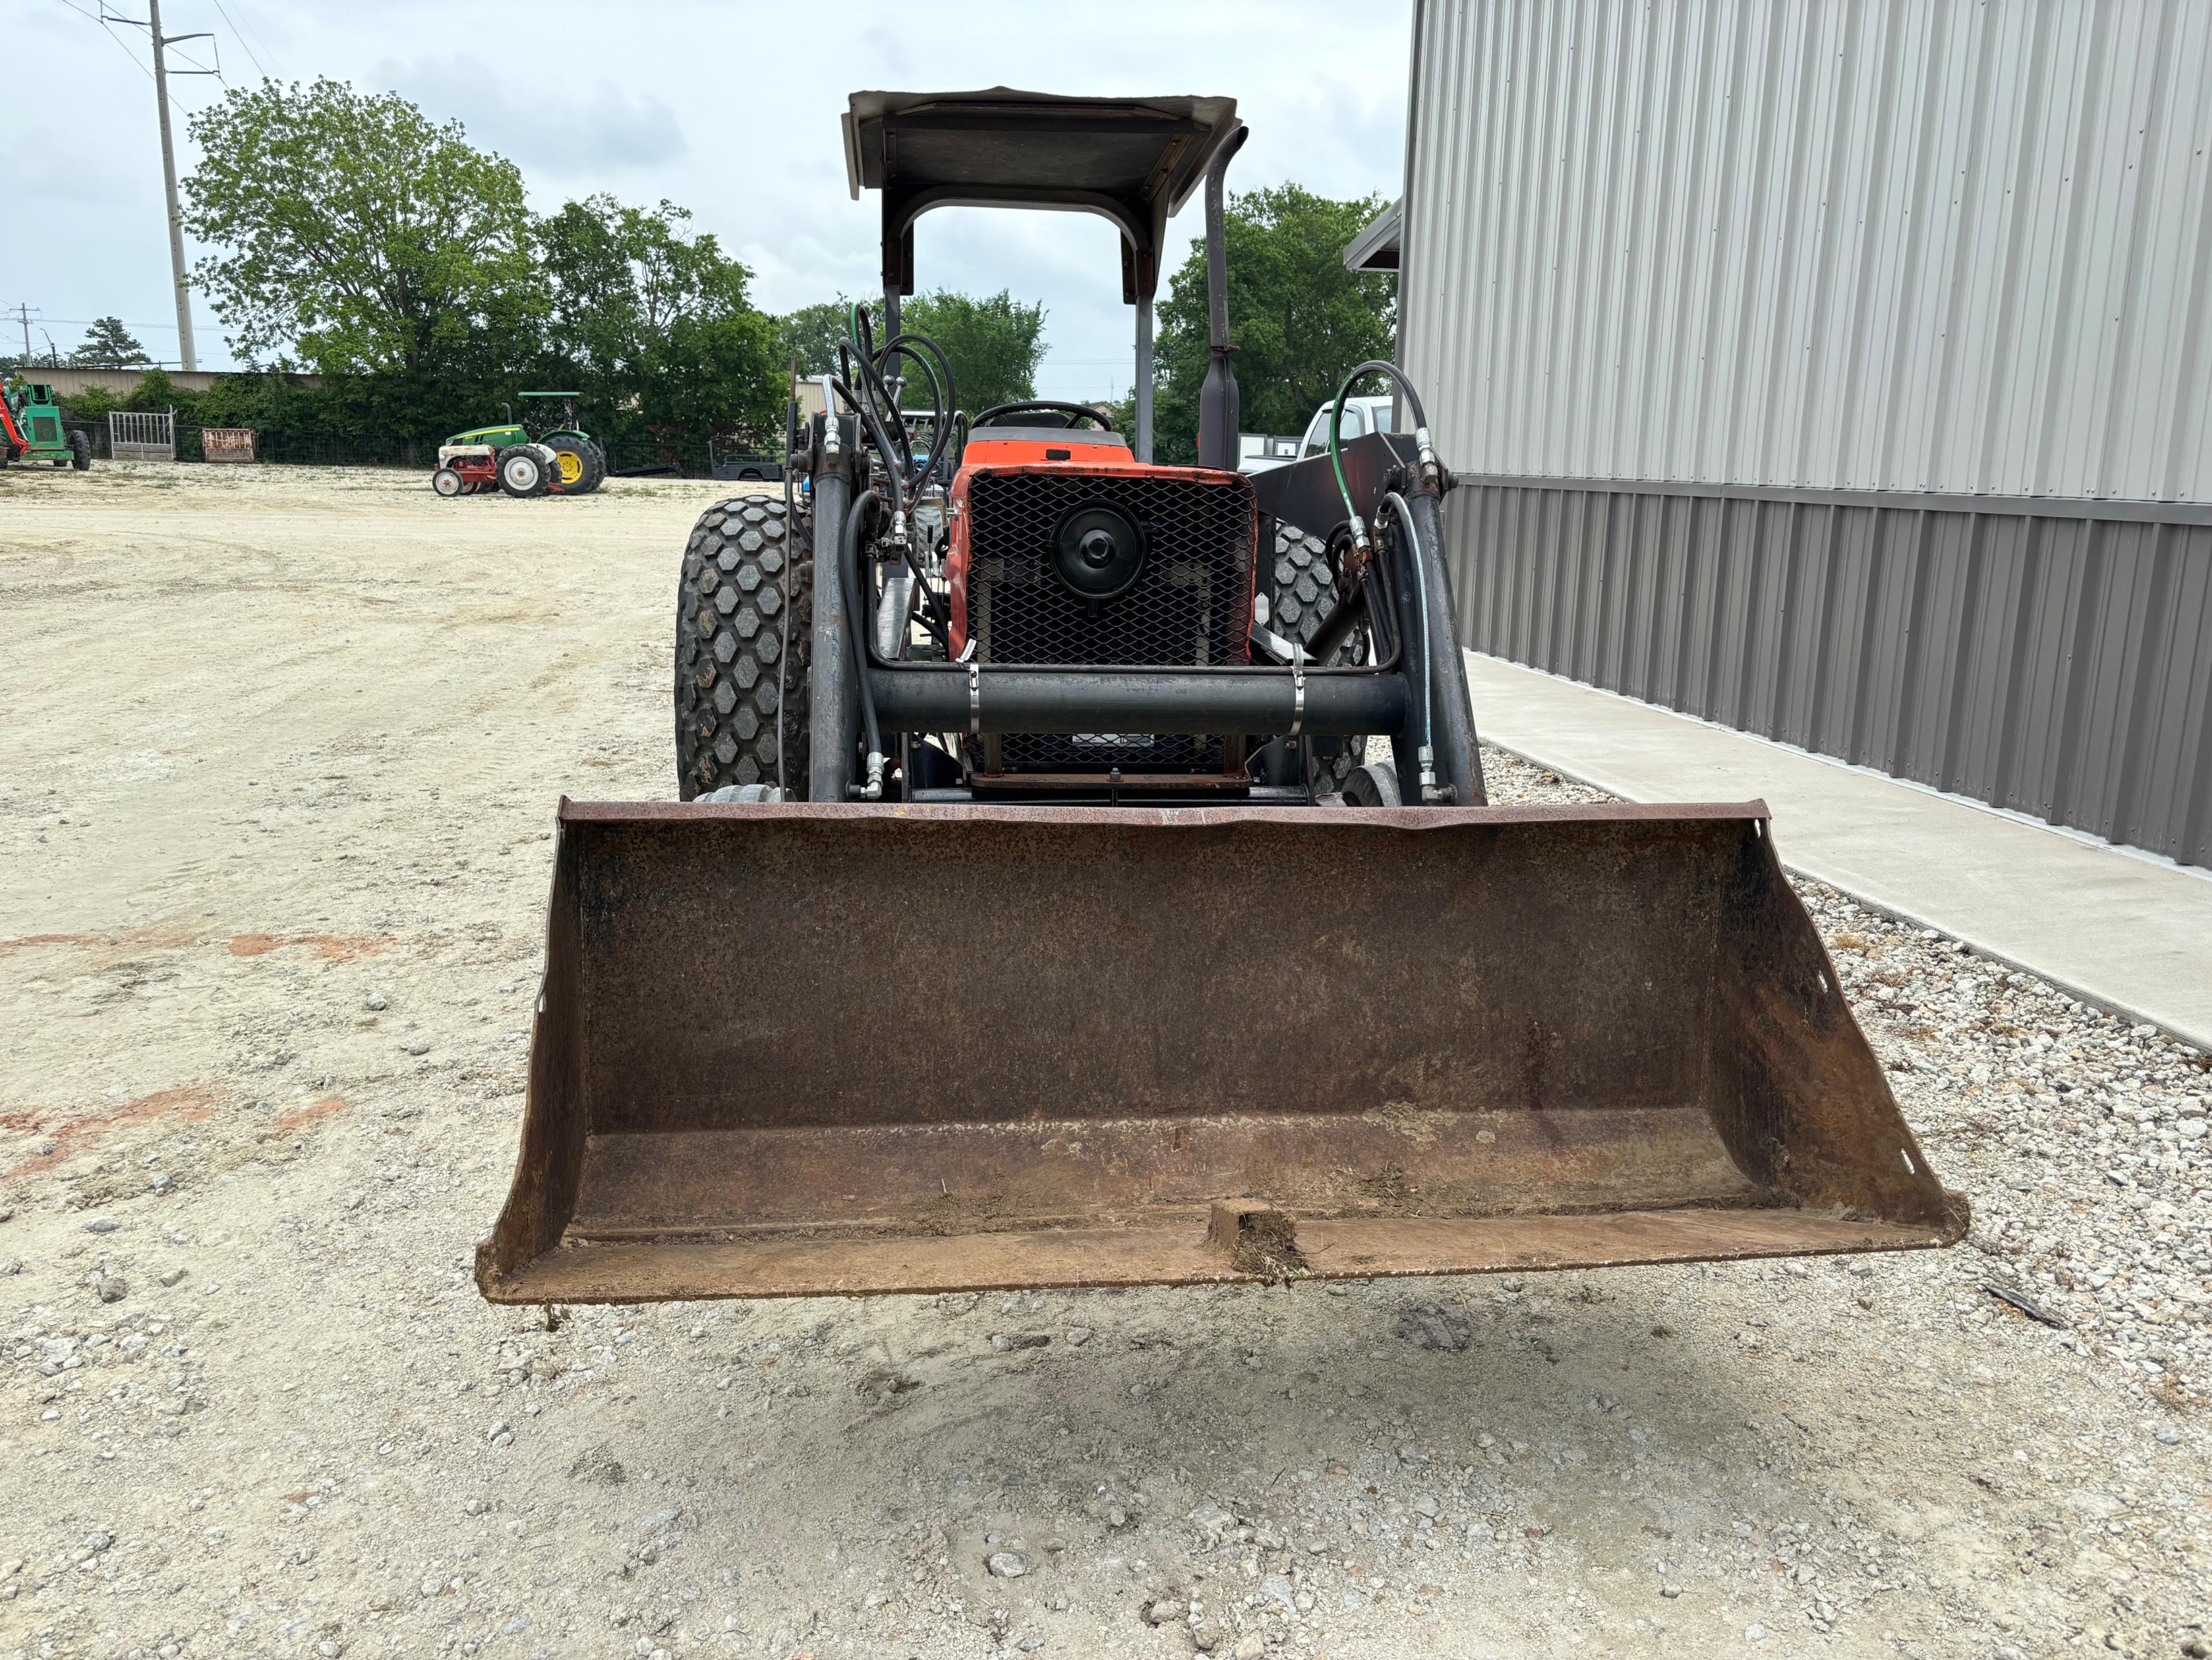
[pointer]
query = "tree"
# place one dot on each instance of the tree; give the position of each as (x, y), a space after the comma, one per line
(995, 344)
(810, 334)
(1297, 319)
(357, 233)
(655, 324)
(108, 344)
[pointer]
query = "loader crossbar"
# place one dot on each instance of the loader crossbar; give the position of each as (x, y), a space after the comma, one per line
(918, 697)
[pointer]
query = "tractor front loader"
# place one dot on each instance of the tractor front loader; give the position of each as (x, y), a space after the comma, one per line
(1082, 873)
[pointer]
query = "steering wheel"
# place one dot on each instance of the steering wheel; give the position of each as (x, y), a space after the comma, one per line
(996, 416)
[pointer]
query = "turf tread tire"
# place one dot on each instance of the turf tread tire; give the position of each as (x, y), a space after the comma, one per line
(730, 661)
(1301, 593)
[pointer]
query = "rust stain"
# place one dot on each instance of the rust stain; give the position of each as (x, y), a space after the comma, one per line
(26, 941)
(190, 1103)
(327, 947)
(308, 1113)
(146, 938)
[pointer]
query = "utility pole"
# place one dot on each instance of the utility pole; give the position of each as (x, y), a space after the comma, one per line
(23, 316)
(186, 349)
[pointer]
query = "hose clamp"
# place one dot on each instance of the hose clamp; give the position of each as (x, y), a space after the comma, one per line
(974, 699)
(1297, 687)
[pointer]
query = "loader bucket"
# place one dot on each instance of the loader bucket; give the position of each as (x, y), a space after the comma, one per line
(798, 1050)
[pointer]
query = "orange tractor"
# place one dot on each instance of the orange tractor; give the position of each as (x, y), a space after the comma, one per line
(1083, 872)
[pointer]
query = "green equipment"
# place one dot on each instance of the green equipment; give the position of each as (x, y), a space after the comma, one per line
(560, 460)
(31, 428)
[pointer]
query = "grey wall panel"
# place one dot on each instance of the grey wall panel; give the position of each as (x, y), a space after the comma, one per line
(1925, 245)
(2016, 652)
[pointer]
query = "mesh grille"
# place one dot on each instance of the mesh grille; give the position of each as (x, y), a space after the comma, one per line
(1190, 607)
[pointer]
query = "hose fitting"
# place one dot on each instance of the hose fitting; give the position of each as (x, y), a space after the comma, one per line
(1359, 556)
(1432, 792)
(873, 789)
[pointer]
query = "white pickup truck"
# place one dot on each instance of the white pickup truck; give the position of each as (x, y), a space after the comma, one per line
(1259, 452)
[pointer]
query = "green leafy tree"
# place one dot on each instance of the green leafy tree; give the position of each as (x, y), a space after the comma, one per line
(994, 344)
(108, 344)
(655, 324)
(1297, 319)
(352, 232)
(810, 334)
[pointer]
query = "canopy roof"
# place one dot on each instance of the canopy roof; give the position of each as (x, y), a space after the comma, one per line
(1134, 160)
(1376, 248)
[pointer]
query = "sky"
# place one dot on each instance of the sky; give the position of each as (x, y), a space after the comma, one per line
(729, 110)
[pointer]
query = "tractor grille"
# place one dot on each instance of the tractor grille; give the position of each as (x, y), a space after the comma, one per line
(1190, 607)
(45, 429)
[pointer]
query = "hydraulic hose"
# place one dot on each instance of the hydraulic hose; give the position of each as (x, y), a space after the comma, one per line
(1404, 515)
(874, 423)
(848, 559)
(936, 412)
(941, 380)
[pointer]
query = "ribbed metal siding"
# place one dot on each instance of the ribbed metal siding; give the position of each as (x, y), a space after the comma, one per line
(1930, 245)
(2060, 666)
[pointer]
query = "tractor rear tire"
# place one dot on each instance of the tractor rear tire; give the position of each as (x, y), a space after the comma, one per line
(521, 471)
(589, 467)
(735, 682)
(1301, 594)
(447, 482)
(80, 452)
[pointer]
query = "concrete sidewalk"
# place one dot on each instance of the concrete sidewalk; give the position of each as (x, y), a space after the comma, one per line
(2124, 931)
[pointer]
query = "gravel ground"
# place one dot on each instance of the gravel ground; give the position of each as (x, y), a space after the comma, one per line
(282, 749)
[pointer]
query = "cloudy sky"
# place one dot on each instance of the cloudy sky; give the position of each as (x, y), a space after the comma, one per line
(730, 110)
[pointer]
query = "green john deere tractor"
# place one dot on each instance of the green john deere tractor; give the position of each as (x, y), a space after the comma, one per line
(560, 460)
(31, 428)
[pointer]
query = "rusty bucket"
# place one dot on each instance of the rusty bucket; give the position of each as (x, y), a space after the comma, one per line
(790, 1050)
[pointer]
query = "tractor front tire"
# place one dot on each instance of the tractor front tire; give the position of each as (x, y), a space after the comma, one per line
(447, 482)
(579, 466)
(80, 452)
(1301, 594)
(736, 684)
(521, 471)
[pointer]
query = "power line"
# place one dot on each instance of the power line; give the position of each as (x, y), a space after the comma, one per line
(251, 56)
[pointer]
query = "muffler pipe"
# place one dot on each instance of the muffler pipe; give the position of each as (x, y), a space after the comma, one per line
(1219, 410)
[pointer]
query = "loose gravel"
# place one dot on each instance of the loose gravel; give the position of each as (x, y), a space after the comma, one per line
(271, 958)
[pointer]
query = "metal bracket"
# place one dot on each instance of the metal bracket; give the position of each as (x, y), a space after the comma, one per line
(974, 699)
(1297, 687)
(1271, 642)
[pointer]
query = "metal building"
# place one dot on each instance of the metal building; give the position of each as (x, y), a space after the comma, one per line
(1841, 373)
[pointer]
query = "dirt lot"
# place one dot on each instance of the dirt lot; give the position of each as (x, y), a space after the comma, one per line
(281, 750)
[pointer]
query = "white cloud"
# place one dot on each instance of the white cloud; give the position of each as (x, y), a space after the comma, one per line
(597, 134)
